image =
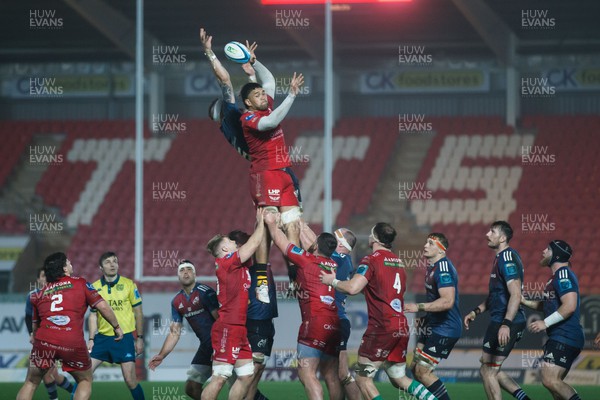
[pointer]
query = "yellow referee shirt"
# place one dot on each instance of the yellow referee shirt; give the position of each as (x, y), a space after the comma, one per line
(122, 295)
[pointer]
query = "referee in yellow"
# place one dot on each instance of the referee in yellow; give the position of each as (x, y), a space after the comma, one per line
(125, 300)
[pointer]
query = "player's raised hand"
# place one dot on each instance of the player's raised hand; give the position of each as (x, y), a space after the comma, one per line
(251, 48)
(271, 217)
(155, 361)
(205, 39)
(295, 84)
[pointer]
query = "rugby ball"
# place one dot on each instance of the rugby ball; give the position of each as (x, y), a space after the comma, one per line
(237, 52)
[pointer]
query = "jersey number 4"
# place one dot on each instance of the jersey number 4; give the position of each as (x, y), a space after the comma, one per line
(56, 300)
(397, 283)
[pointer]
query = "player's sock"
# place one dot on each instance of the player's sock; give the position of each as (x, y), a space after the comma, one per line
(259, 396)
(52, 391)
(575, 397)
(66, 384)
(520, 394)
(438, 389)
(420, 391)
(137, 393)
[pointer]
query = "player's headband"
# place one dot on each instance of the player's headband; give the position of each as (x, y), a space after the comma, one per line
(375, 238)
(342, 240)
(186, 265)
(437, 242)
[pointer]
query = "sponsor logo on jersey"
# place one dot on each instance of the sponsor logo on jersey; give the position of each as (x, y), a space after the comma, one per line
(60, 320)
(329, 327)
(89, 286)
(249, 117)
(136, 293)
(396, 304)
(327, 300)
(393, 262)
(196, 300)
(180, 306)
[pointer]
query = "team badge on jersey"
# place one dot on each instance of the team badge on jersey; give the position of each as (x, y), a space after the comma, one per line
(445, 278)
(511, 268)
(89, 286)
(296, 250)
(396, 304)
(362, 269)
(565, 284)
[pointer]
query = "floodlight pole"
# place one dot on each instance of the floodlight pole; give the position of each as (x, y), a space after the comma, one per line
(328, 123)
(139, 139)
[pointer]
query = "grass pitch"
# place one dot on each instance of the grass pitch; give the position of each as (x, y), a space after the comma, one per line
(275, 391)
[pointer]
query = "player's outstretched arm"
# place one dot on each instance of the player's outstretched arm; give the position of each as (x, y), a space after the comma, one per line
(249, 248)
(109, 315)
(265, 77)
(220, 72)
(272, 120)
(351, 287)
(168, 346)
(307, 236)
(279, 238)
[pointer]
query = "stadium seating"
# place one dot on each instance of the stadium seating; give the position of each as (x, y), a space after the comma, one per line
(479, 171)
(206, 175)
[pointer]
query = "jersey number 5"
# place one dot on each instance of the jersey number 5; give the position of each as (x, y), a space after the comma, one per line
(56, 299)
(397, 283)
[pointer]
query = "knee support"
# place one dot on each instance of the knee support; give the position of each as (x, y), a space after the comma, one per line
(198, 373)
(425, 360)
(222, 370)
(396, 371)
(291, 215)
(348, 379)
(260, 358)
(245, 370)
(367, 370)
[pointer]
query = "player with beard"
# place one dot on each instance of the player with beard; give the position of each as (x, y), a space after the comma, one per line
(562, 320)
(507, 318)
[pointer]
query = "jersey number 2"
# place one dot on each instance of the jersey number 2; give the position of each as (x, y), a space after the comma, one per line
(397, 283)
(56, 299)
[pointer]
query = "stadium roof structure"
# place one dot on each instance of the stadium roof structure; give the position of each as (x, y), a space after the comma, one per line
(103, 30)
